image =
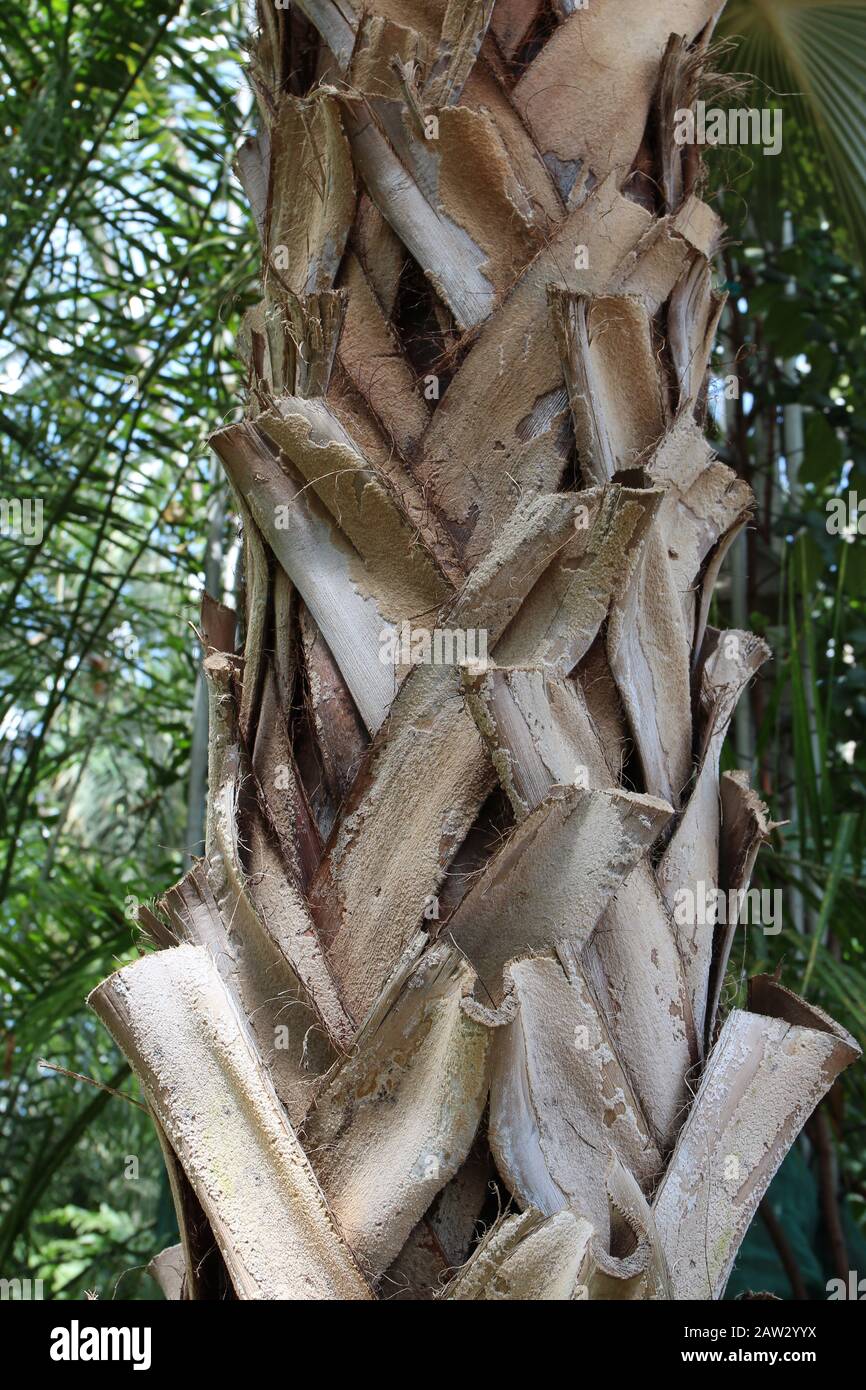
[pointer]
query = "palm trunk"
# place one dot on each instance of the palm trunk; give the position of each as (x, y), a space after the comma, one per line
(464, 775)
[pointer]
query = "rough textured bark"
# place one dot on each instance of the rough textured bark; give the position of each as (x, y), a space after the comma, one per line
(431, 959)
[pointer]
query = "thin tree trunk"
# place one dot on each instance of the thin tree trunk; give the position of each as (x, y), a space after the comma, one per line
(776, 1232)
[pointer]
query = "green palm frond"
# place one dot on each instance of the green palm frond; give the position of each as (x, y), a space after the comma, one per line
(126, 253)
(810, 57)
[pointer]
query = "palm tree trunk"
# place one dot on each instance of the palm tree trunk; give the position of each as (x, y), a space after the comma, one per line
(464, 806)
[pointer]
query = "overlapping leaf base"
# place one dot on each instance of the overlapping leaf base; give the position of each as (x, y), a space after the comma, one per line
(427, 980)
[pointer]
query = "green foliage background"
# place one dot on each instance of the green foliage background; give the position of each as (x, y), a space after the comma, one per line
(127, 256)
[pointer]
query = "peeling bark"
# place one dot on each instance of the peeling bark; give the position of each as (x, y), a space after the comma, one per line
(172, 1017)
(434, 958)
(560, 1102)
(396, 1120)
(553, 878)
(528, 1258)
(765, 1075)
(691, 860)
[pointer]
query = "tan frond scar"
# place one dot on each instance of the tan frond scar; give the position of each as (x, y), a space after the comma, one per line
(428, 1019)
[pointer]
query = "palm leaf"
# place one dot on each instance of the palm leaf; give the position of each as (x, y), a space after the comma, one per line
(811, 56)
